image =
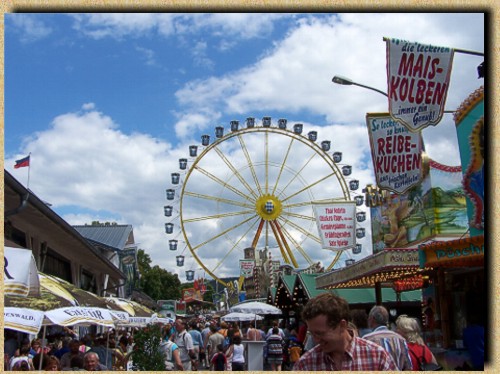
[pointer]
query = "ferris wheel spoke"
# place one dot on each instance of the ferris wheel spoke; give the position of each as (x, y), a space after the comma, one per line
(221, 182)
(337, 256)
(218, 199)
(285, 244)
(282, 166)
(235, 172)
(267, 162)
(309, 186)
(234, 246)
(300, 216)
(307, 203)
(223, 232)
(250, 163)
(297, 246)
(297, 174)
(301, 229)
(216, 216)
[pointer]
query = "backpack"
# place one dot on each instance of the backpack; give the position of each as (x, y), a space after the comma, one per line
(295, 352)
(167, 347)
(423, 364)
(226, 343)
(219, 361)
(275, 346)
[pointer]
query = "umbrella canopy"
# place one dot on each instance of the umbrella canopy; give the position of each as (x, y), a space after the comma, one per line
(75, 295)
(241, 317)
(80, 316)
(255, 307)
(25, 320)
(20, 274)
(47, 301)
(131, 307)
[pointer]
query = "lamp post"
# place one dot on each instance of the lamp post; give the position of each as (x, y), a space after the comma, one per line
(348, 82)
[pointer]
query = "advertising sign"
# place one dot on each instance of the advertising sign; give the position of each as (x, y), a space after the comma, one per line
(418, 77)
(396, 153)
(246, 268)
(20, 275)
(336, 224)
(191, 294)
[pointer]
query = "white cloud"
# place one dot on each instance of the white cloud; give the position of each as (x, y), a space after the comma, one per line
(349, 45)
(222, 25)
(125, 175)
(30, 27)
(148, 55)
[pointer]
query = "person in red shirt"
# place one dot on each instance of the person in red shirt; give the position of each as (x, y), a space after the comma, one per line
(419, 353)
(337, 348)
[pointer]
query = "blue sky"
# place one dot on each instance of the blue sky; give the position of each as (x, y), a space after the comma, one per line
(108, 103)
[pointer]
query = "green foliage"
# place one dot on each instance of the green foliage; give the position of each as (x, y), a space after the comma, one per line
(147, 355)
(156, 282)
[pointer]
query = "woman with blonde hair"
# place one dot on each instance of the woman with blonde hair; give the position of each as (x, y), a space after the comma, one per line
(420, 354)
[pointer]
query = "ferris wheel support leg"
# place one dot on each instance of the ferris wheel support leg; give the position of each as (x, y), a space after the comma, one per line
(280, 243)
(285, 243)
(257, 234)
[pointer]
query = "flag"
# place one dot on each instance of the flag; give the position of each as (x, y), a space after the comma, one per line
(22, 162)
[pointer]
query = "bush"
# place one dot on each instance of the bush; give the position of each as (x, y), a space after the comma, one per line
(147, 355)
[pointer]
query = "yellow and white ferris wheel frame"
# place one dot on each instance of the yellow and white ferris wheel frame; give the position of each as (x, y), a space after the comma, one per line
(276, 221)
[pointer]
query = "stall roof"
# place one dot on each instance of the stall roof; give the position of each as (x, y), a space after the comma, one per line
(383, 267)
(357, 295)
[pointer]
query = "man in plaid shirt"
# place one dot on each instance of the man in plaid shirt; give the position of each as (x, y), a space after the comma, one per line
(337, 348)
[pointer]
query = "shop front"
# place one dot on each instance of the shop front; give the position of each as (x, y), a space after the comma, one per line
(458, 299)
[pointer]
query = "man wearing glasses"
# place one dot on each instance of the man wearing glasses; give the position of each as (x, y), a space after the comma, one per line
(337, 348)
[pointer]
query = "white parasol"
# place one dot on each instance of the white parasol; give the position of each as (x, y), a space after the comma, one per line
(241, 317)
(25, 320)
(20, 274)
(255, 307)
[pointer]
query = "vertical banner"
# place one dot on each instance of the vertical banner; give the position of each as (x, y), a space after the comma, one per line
(336, 224)
(128, 262)
(418, 77)
(396, 153)
(246, 268)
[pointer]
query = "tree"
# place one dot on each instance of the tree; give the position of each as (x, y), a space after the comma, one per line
(156, 282)
(147, 355)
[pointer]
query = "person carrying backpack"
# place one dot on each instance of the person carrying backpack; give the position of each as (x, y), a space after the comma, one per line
(185, 343)
(172, 356)
(219, 361)
(275, 346)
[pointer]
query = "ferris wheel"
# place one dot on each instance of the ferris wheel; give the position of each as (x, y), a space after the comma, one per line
(255, 186)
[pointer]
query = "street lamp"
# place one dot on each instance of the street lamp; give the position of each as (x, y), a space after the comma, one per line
(348, 82)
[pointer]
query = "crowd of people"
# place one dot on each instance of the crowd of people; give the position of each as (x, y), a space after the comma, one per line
(329, 336)
(68, 352)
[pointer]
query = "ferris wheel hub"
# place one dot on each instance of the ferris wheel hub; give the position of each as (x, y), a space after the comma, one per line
(268, 207)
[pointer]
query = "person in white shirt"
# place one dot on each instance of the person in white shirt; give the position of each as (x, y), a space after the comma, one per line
(270, 331)
(238, 361)
(185, 343)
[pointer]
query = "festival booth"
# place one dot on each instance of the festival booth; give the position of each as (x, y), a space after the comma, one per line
(460, 285)
(389, 277)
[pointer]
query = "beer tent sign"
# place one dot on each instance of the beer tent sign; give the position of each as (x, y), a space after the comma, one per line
(418, 77)
(336, 224)
(20, 275)
(396, 153)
